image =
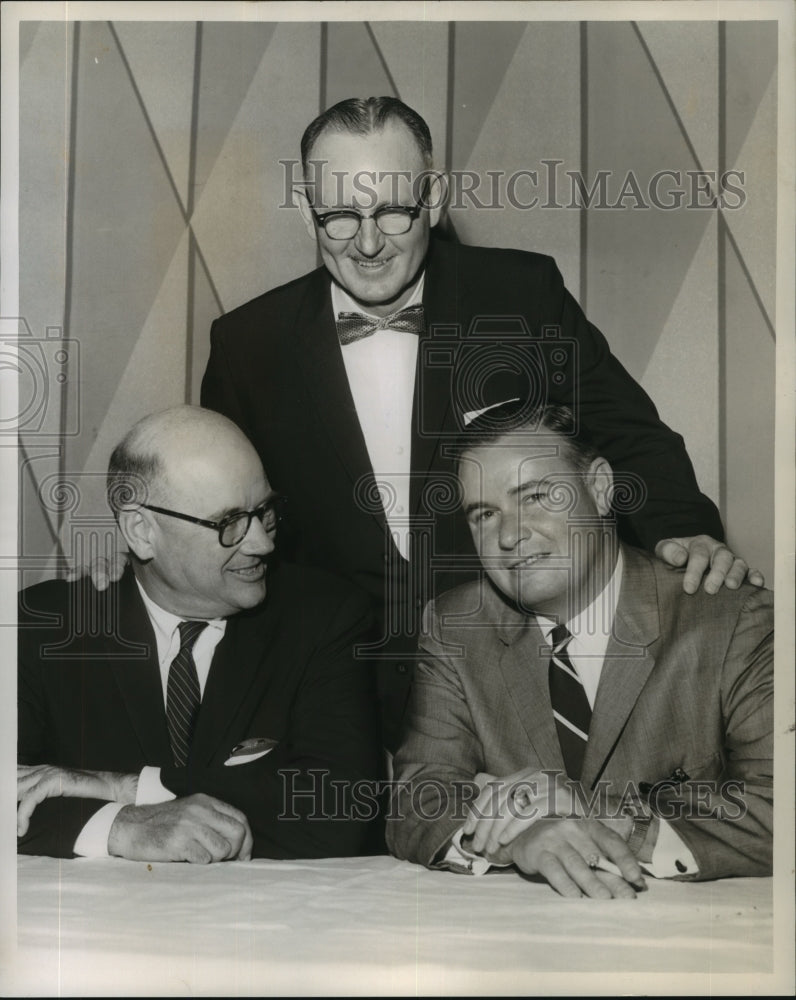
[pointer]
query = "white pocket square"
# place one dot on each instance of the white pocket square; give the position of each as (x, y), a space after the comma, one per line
(249, 750)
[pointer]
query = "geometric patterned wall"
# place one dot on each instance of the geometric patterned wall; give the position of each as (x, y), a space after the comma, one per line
(152, 199)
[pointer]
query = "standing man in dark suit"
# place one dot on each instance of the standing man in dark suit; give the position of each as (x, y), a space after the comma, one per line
(208, 705)
(575, 713)
(354, 421)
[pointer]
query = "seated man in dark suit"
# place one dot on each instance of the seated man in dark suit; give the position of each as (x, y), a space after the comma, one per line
(575, 713)
(200, 708)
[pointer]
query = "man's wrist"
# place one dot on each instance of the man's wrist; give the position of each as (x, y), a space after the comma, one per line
(622, 825)
(123, 787)
(116, 832)
(500, 857)
(641, 827)
(637, 839)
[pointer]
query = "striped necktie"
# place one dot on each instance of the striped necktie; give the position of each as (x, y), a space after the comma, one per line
(571, 709)
(182, 693)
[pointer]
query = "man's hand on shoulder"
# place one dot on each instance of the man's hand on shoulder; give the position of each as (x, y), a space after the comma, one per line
(103, 572)
(37, 782)
(701, 555)
(198, 829)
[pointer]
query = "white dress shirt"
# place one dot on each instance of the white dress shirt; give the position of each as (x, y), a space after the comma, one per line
(381, 374)
(591, 631)
(92, 842)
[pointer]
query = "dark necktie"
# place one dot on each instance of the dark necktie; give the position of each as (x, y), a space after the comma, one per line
(182, 693)
(353, 326)
(571, 709)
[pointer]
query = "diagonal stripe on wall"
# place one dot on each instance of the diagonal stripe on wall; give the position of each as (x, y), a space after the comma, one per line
(647, 281)
(231, 55)
(250, 241)
(541, 65)
(751, 54)
(417, 57)
(686, 356)
(27, 34)
(161, 59)
(474, 92)
(686, 63)
(159, 350)
(751, 225)
(117, 169)
(355, 69)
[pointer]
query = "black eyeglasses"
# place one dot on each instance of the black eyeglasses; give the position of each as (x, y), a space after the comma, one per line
(392, 220)
(234, 528)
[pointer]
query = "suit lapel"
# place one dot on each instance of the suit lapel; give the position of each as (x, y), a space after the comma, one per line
(321, 362)
(629, 660)
(139, 680)
(236, 669)
(435, 366)
(524, 665)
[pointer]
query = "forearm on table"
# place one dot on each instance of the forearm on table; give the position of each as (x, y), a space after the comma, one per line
(56, 824)
(425, 812)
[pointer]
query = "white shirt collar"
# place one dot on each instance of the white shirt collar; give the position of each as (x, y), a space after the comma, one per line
(165, 623)
(342, 301)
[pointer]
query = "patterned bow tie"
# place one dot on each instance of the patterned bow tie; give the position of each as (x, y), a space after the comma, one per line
(353, 326)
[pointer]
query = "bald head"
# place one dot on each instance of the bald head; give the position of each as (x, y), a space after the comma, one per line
(164, 447)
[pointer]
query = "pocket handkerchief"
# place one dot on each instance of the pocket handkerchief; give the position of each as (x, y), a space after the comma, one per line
(249, 750)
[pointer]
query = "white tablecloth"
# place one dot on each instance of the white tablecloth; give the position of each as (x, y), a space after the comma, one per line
(367, 926)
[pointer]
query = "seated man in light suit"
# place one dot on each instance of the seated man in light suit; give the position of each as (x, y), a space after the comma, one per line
(575, 713)
(199, 709)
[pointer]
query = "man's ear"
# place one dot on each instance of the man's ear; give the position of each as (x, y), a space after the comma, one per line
(600, 481)
(305, 208)
(436, 195)
(137, 529)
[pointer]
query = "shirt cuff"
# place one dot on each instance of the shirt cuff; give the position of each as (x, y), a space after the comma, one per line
(150, 789)
(459, 859)
(92, 841)
(670, 856)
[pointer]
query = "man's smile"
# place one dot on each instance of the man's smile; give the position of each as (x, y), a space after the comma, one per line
(254, 572)
(529, 560)
(370, 263)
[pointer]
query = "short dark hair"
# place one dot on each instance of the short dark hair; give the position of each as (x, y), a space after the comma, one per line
(515, 417)
(363, 116)
(131, 475)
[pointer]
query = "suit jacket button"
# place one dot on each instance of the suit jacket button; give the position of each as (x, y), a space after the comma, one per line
(401, 668)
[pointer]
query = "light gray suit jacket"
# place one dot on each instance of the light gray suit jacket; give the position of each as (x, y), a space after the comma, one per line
(687, 683)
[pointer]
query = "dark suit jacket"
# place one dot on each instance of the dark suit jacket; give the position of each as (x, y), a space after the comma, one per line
(90, 696)
(687, 683)
(500, 324)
